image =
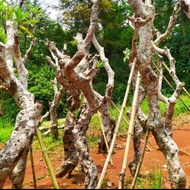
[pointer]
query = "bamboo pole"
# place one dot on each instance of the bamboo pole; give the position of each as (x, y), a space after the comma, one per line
(128, 124)
(173, 89)
(141, 159)
(105, 139)
(117, 127)
(47, 160)
(130, 133)
(119, 111)
(32, 165)
(169, 72)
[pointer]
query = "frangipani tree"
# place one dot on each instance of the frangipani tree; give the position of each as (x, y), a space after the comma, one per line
(146, 43)
(14, 81)
(76, 74)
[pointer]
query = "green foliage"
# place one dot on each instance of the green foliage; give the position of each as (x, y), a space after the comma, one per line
(6, 11)
(6, 129)
(49, 142)
(99, 64)
(155, 178)
(40, 84)
(115, 112)
(177, 42)
(140, 183)
(22, 19)
(10, 108)
(126, 54)
(2, 36)
(182, 106)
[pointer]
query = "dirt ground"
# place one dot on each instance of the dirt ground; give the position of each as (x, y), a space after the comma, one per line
(153, 159)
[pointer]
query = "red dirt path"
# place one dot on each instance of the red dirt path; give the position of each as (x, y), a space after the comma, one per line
(153, 159)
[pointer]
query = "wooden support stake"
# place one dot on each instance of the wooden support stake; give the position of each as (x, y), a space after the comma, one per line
(128, 124)
(33, 170)
(130, 133)
(117, 127)
(141, 159)
(105, 139)
(47, 160)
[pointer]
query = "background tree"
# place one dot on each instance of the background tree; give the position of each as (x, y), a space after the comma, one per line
(109, 28)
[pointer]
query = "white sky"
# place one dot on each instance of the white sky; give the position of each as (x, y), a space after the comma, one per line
(49, 4)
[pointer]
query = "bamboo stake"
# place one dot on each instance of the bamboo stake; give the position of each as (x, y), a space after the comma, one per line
(130, 133)
(179, 96)
(105, 139)
(117, 127)
(173, 88)
(32, 165)
(128, 124)
(169, 72)
(141, 159)
(119, 111)
(47, 160)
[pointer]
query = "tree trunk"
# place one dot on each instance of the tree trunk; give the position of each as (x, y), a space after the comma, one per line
(143, 20)
(76, 75)
(70, 151)
(13, 155)
(18, 174)
(88, 165)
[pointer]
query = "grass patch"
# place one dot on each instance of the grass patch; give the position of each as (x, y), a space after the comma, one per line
(94, 130)
(153, 180)
(49, 142)
(6, 129)
(5, 134)
(182, 105)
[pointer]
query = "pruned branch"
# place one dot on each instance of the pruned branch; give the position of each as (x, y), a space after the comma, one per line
(161, 37)
(27, 54)
(22, 71)
(110, 72)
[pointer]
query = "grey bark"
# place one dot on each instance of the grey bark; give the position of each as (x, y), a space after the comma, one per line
(70, 153)
(53, 106)
(76, 75)
(162, 130)
(13, 155)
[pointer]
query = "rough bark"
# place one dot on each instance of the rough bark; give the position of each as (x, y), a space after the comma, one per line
(58, 93)
(53, 106)
(13, 155)
(76, 76)
(70, 153)
(185, 6)
(162, 130)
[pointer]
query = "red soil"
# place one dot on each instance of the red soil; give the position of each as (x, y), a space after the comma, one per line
(153, 159)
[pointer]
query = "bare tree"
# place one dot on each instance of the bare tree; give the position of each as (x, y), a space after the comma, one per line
(13, 80)
(14, 153)
(146, 41)
(76, 76)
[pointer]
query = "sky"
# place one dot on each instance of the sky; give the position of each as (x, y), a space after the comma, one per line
(47, 5)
